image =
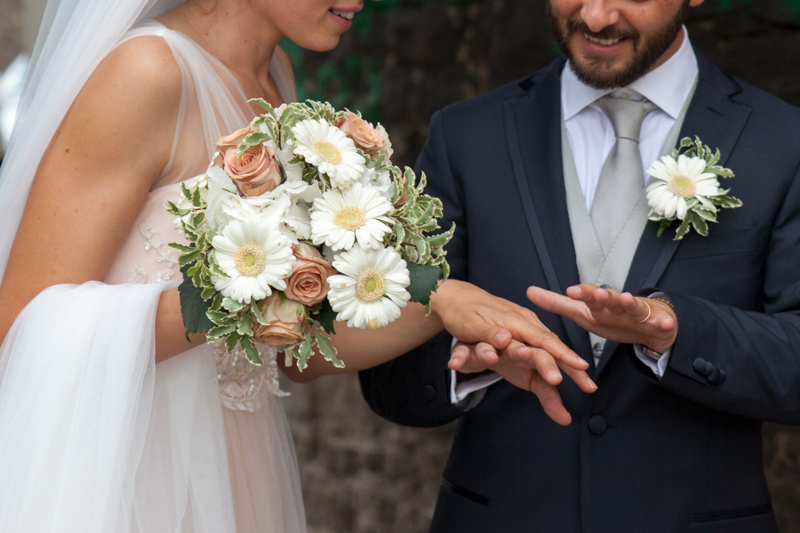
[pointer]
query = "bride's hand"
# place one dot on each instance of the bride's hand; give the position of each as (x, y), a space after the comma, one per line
(472, 315)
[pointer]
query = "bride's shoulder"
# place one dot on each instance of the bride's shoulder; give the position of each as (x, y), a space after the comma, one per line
(147, 61)
(139, 81)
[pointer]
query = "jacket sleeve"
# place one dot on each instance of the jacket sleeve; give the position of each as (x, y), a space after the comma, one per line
(414, 389)
(746, 362)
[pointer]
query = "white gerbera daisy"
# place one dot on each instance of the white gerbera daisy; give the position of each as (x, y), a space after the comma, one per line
(677, 182)
(255, 255)
(330, 150)
(339, 218)
(370, 288)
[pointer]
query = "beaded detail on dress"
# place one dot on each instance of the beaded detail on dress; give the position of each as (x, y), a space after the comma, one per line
(165, 256)
(240, 381)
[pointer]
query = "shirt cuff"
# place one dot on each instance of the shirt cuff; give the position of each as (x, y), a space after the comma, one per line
(461, 391)
(658, 366)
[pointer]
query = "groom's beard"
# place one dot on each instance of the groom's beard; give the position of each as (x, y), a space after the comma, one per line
(594, 71)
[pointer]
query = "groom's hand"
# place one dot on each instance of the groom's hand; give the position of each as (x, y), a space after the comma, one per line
(616, 316)
(528, 368)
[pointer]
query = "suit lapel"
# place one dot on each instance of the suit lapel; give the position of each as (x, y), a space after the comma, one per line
(533, 131)
(718, 121)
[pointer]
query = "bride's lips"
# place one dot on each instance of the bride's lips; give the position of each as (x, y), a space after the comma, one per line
(343, 18)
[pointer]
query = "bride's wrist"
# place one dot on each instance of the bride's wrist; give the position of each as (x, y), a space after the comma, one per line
(441, 298)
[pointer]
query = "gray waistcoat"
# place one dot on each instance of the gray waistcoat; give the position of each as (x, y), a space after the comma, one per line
(593, 266)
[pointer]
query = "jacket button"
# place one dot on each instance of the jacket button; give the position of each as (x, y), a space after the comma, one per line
(701, 366)
(597, 425)
(429, 392)
(713, 376)
(722, 376)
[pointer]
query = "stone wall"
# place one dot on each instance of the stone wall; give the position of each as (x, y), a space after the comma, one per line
(404, 60)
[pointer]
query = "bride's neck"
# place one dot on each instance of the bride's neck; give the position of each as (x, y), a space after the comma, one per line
(233, 31)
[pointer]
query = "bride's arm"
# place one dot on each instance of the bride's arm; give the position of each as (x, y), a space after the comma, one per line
(466, 312)
(93, 180)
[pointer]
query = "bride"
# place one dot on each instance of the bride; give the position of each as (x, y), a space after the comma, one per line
(111, 419)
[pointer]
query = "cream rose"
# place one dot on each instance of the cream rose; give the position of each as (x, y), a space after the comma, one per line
(286, 321)
(308, 282)
(255, 172)
(230, 142)
(362, 133)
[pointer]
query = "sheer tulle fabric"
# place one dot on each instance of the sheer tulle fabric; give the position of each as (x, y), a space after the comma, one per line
(94, 437)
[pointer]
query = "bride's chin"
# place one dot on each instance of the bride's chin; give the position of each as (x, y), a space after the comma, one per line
(318, 45)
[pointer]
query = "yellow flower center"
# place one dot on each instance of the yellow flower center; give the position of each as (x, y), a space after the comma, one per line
(370, 286)
(350, 218)
(682, 186)
(328, 152)
(251, 260)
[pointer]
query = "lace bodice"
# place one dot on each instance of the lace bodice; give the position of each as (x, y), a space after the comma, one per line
(213, 104)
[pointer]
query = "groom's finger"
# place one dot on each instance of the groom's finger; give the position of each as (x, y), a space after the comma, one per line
(459, 356)
(556, 303)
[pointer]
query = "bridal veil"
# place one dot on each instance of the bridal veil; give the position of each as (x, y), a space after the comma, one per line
(94, 437)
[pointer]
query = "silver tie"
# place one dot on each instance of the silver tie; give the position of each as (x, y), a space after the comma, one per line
(621, 179)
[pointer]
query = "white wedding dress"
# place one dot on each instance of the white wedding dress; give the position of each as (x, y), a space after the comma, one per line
(94, 436)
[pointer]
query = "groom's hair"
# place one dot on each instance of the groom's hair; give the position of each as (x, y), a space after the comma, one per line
(646, 53)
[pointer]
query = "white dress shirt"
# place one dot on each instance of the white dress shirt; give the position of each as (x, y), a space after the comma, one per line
(591, 137)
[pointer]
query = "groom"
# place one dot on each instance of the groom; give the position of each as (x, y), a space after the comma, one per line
(544, 178)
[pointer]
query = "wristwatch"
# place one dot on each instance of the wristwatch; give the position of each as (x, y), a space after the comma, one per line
(649, 352)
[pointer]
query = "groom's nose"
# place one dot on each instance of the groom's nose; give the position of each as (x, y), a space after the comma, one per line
(599, 14)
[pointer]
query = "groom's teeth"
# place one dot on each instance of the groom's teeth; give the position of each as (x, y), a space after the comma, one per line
(604, 42)
(344, 15)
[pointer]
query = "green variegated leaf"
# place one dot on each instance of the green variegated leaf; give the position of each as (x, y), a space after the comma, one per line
(423, 248)
(194, 269)
(399, 235)
(208, 292)
(232, 340)
(187, 194)
(706, 214)
(263, 104)
(699, 224)
(245, 327)
(439, 240)
(185, 259)
(328, 351)
(257, 316)
(303, 352)
(220, 331)
(250, 351)
(216, 304)
(257, 137)
(683, 229)
(182, 248)
(218, 318)
(232, 305)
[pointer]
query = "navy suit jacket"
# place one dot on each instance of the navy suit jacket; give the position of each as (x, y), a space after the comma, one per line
(682, 453)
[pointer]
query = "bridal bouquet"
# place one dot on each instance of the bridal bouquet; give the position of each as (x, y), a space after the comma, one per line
(300, 220)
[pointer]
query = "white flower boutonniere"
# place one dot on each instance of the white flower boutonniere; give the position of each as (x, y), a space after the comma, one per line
(687, 188)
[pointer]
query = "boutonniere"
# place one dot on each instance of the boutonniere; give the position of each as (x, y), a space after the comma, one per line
(687, 189)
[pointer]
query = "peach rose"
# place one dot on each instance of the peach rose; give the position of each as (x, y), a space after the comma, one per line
(286, 321)
(255, 172)
(308, 282)
(362, 133)
(232, 141)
